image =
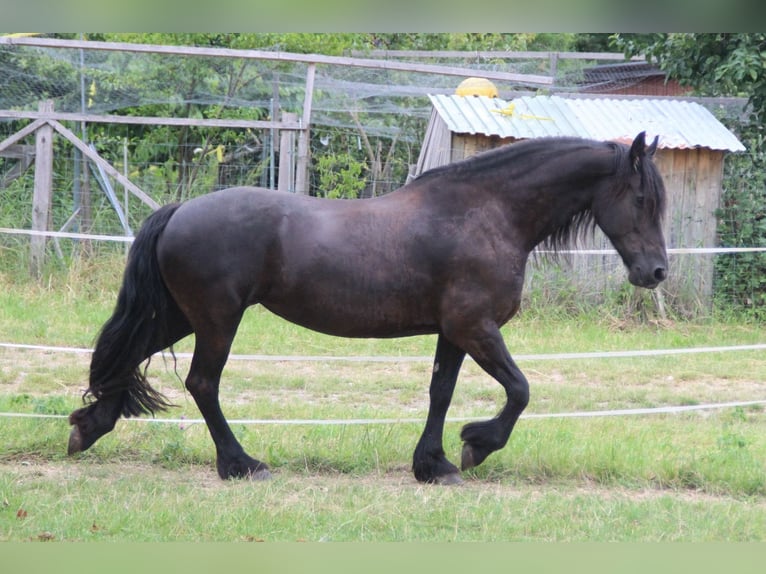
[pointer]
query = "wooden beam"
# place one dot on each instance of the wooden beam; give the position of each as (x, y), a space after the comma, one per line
(370, 63)
(495, 55)
(18, 151)
(130, 186)
(25, 159)
(148, 120)
(21, 134)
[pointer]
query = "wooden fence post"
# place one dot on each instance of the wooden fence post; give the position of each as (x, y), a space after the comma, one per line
(41, 200)
(302, 165)
(286, 179)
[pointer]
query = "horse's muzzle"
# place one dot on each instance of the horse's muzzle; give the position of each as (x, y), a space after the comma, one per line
(648, 276)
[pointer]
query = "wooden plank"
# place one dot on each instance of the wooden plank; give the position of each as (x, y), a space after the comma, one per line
(458, 148)
(19, 151)
(693, 214)
(713, 178)
(148, 120)
(21, 134)
(41, 197)
(694, 208)
(494, 55)
(661, 160)
(437, 146)
(369, 63)
(470, 145)
(675, 186)
(710, 174)
(125, 182)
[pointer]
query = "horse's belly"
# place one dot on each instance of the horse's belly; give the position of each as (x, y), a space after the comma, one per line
(356, 315)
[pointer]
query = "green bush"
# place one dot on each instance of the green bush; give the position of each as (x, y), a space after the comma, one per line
(340, 176)
(740, 279)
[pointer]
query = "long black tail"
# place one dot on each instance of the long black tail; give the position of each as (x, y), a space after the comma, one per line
(136, 326)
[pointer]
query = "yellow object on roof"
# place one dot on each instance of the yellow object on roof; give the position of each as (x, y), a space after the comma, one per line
(510, 110)
(476, 87)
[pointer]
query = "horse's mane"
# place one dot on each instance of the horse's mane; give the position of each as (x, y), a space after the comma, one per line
(512, 158)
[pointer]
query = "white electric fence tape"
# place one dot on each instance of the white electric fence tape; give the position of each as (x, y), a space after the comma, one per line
(424, 358)
(330, 422)
(126, 239)
(391, 359)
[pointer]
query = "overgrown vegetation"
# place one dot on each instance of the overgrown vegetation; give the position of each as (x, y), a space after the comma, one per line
(726, 64)
(340, 176)
(740, 280)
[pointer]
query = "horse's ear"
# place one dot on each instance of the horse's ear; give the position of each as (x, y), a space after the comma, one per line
(653, 148)
(637, 150)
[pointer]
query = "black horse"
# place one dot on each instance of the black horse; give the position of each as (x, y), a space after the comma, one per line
(444, 254)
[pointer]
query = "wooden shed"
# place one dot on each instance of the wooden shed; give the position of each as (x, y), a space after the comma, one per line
(690, 157)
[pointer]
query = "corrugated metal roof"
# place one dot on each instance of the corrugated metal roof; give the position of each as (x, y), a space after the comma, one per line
(679, 124)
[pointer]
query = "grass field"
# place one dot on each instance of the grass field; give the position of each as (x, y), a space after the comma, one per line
(690, 476)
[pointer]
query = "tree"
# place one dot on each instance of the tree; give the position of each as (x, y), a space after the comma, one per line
(713, 64)
(727, 65)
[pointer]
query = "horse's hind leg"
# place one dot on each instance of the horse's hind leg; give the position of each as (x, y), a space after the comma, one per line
(100, 417)
(93, 421)
(210, 354)
(429, 462)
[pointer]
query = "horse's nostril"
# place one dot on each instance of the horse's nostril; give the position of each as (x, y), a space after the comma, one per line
(660, 274)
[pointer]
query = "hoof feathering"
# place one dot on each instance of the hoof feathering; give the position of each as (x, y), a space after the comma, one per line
(259, 475)
(449, 479)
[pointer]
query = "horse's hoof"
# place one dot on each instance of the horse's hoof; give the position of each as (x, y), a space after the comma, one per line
(75, 441)
(259, 475)
(467, 459)
(449, 479)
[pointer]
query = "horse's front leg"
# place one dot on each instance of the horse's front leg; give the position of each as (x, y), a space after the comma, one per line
(485, 344)
(429, 461)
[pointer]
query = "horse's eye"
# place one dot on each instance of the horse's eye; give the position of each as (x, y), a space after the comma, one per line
(640, 201)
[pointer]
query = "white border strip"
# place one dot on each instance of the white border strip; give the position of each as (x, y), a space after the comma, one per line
(337, 422)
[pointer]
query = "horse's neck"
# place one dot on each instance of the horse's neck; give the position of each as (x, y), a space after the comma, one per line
(541, 211)
(544, 194)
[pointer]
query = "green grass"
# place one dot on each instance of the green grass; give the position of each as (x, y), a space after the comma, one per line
(697, 476)
(119, 502)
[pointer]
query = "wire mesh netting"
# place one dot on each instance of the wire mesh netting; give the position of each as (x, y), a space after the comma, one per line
(367, 123)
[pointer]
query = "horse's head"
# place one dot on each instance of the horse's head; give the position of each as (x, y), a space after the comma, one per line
(631, 215)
